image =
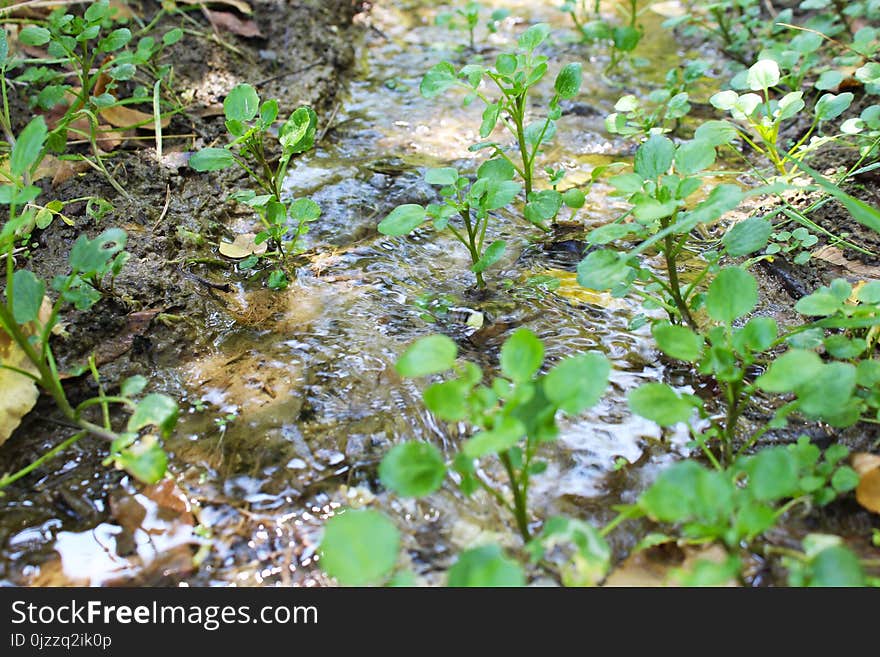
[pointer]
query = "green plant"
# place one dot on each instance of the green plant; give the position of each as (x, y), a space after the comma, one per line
(467, 18)
(98, 54)
(763, 117)
(514, 75)
(250, 123)
(593, 27)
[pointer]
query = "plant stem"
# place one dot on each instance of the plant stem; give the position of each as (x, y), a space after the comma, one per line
(672, 271)
(520, 511)
(52, 453)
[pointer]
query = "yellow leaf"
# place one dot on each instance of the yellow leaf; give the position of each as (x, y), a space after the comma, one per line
(120, 116)
(868, 490)
(570, 290)
(242, 247)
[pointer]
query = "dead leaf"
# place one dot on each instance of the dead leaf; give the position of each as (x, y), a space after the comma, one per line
(122, 9)
(225, 20)
(572, 291)
(868, 490)
(137, 324)
(20, 393)
(653, 567)
(168, 496)
(120, 116)
(243, 246)
(834, 255)
(241, 5)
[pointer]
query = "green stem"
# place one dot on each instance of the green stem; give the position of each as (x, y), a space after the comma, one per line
(520, 511)
(52, 453)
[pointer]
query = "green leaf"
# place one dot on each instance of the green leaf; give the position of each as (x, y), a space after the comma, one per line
(687, 491)
(486, 567)
(413, 469)
(448, 400)
(490, 119)
(499, 194)
(97, 11)
(534, 36)
(242, 103)
(603, 269)
(28, 296)
(869, 73)
(860, 211)
(269, 112)
(836, 566)
(830, 106)
(521, 355)
(504, 435)
(574, 198)
(747, 236)
(34, 36)
(154, 410)
(773, 474)
(115, 40)
(26, 151)
(91, 256)
(359, 547)
(568, 82)
(826, 394)
(578, 382)
(654, 157)
(716, 133)
(543, 205)
(146, 461)
(491, 255)
(763, 75)
(722, 198)
(678, 341)
(870, 292)
(211, 159)
(694, 156)
(845, 479)
(497, 170)
(820, 303)
(403, 220)
(445, 176)
(430, 355)
(297, 135)
(304, 209)
(660, 403)
(757, 335)
(133, 385)
(788, 371)
(437, 80)
(732, 294)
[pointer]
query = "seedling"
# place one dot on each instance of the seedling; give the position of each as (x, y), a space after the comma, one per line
(250, 122)
(514, 75)
(593, 27)
(467, 18)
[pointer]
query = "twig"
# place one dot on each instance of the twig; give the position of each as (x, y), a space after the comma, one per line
(164, 209)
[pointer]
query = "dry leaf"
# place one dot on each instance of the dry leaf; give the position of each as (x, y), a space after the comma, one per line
(653, 566)
(124, 117)
(169, 497)
(19, 392)
(242, 6)
(225, 20)
(243, 246)
(122, 9)
(570, 290)
(834, 255)
(868, 490)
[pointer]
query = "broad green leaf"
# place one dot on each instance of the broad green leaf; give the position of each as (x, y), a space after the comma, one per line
(403, 220)
(491, 255)
(757, 335)
(773, 474)
(34, 36)
(654, 157)
(448, 400)
(602, 270)
(485, 566)
(430, 355)
(521, 355)
(827, 393)
(660, 403)
(505, 434)
(568, 82)
(133, 385)
(146, 461)
(574, 198)
(297, 135)
(834, 567)
(28, 299)
(687, 491)
(747, 237)
(543, 205)
(845, 479)
(359, 547)
(242, 103)
(678, 342)
(499, 194)
(626, 38)
(211, 159)
(154, 410)
(578, 382)
(97, 11)
(869, 73)
(732, 294)
(722, 198)
(28, 145)
(115, 40)
(91, 256)
(788, 371)
(304, 209)
(830, 106)
(496, 169)
(490, 119)
(694, 156)
(437, 80)
(445, 176)
(820, 303)
(534, 36)
(413, 469)
(763, 75)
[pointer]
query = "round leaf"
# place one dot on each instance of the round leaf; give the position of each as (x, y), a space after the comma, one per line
(484, 567)
(430, 355)
(242, 103)
(413, 469)
(732, 294)
(660, 403)
(403, 220)
(359, 547)
(521, 355)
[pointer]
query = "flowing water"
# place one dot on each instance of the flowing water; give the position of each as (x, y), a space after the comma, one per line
(291, 399)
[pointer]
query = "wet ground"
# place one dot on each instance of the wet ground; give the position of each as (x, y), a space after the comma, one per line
(290, 398)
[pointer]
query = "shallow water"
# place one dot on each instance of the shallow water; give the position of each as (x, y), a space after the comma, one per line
(291, 399)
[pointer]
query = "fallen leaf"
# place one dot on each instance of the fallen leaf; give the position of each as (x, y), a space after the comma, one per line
(225, 20)
(242, 6)
(136, 324)
(122, 9)
(20, 393)
(655, 566)
(124, 117)
(868, 490)
(168, 496)
(572, 291)
(243, 246)
(834, 256)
